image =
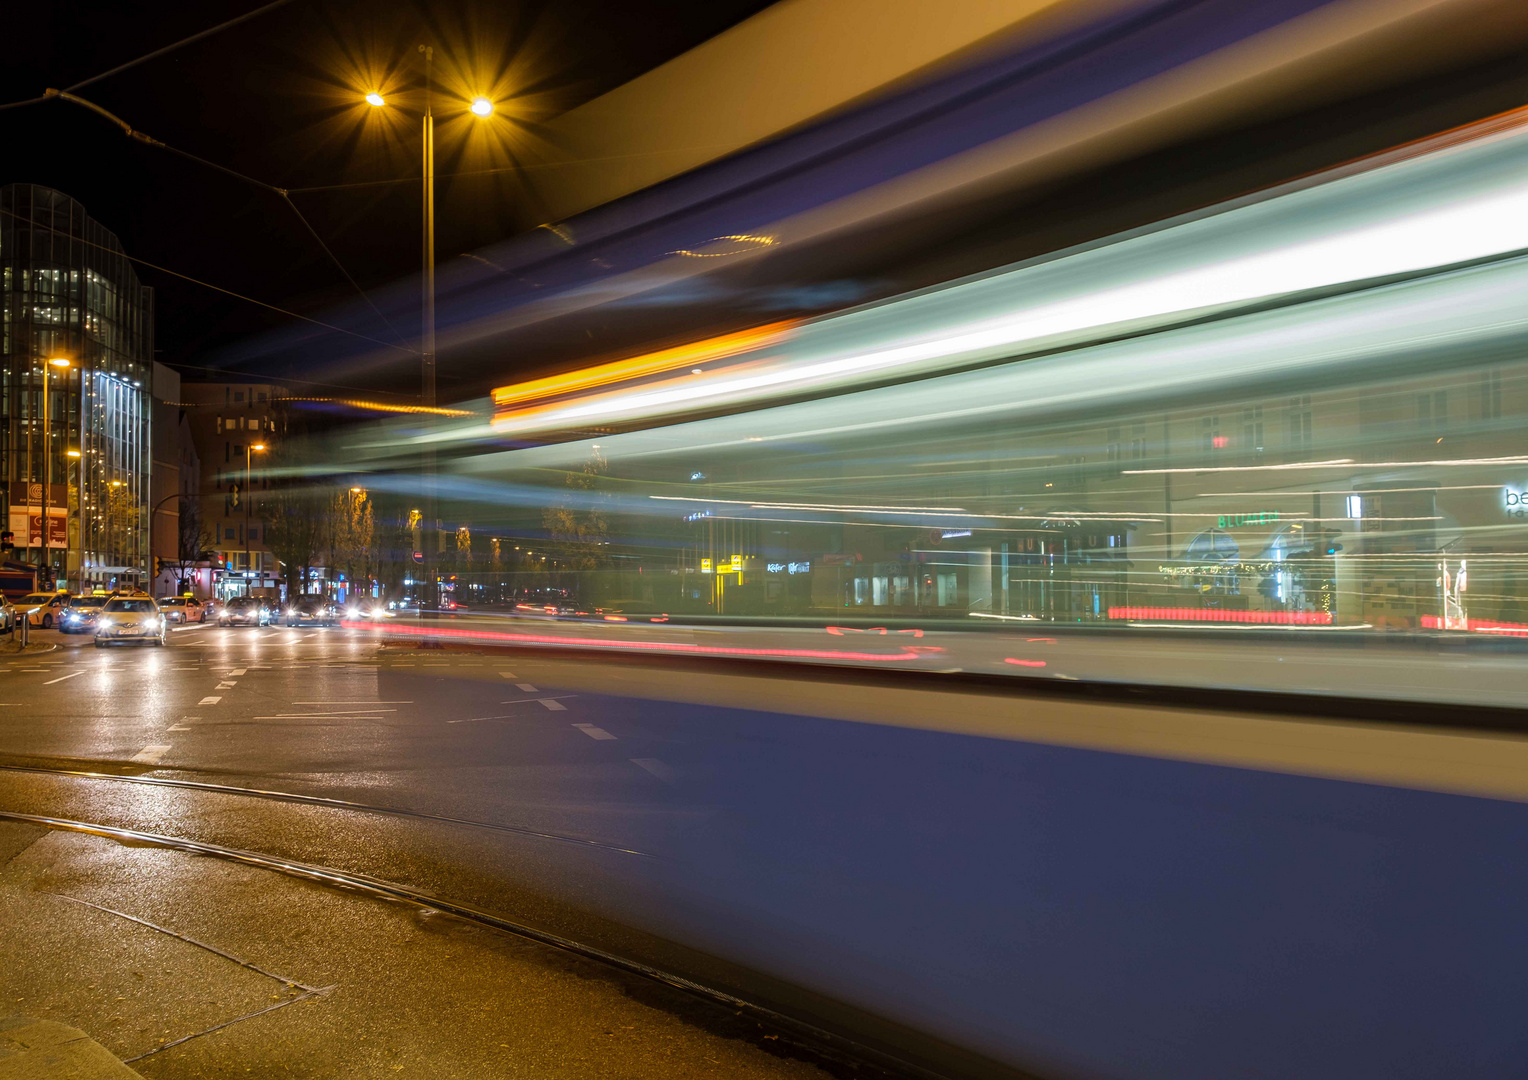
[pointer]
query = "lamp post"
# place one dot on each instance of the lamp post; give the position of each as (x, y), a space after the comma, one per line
(74, 456)
(482, 108)
(248, 449)
(47, 473)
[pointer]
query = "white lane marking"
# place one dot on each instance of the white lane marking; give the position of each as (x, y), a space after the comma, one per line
(150, 755)
(177, 727)
(527, 687)
(553, 705)
(209, 700)
(325, 715)
(523, 700)
(405, 665)
(236, 672)
(594, 732)
(507, 674)
(352, 703)
(656, 767)
(61, 678)
(225, 685)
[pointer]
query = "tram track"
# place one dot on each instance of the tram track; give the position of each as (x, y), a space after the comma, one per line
(319, 800)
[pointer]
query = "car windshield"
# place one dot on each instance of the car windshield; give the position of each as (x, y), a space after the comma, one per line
(37, 598)
(87, 601)
(130, 605)
(240, 605)
(309, 603)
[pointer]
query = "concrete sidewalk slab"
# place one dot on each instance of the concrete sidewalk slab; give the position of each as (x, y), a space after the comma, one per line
(47, 1050)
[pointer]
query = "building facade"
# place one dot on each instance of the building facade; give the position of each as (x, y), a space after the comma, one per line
(178, 536)
(234, 425)
(76, 346)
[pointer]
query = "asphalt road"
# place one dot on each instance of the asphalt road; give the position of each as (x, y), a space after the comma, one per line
(556, 803)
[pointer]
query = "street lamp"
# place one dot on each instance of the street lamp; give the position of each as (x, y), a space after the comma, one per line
(74, 455)
(480, 107)
(47, 472)
(248, 449)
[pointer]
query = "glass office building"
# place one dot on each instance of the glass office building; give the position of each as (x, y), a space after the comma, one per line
(75, 455)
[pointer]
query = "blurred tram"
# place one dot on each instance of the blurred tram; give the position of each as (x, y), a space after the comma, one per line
(1295, 419)
(1303, 408)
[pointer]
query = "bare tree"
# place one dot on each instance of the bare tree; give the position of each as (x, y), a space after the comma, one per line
(352, 529)
(196, 542)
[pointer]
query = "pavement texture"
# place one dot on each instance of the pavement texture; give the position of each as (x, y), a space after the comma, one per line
(184, 966)
(46, 1050)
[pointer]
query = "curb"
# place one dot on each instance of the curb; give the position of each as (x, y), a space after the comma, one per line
(38, 647)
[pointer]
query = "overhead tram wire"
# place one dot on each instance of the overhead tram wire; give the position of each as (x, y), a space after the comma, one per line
(214, 288)
(148, 140)
(183, 41)
(152, 55)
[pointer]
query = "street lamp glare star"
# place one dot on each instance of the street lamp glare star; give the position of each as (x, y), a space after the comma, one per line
(59, 361)
(258, 446)
(374, 99)
(482, 107)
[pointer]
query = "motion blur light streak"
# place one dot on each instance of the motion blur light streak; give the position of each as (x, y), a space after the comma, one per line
(907, 652)
(664, 360)
(1355, 231)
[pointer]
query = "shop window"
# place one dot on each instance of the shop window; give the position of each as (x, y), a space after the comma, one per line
(1432, 411)
(1299, 420)
(1490, 395)
(880, 591)
(947, 589)
(861, 591)
(1252, 431)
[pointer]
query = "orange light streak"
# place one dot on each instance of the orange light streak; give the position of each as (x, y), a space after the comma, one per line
(635, 367)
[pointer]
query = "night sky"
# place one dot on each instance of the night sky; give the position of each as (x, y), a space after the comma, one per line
(275, 98)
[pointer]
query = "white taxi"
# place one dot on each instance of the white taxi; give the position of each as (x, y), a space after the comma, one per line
(130, 618)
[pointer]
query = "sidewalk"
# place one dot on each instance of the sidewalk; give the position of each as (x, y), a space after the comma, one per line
(184, 966)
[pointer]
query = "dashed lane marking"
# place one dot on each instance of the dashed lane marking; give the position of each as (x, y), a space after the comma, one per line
(527, 687)
(507, 674)
(594, 732)
(225, 685)
(656, 767)
(61, 678)
(150, 755)
(553, 705)
(352, 703)
(210, 699)
(236, 672)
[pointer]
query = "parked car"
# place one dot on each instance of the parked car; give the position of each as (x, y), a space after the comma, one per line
(44, 609)
(124, 618)
(9, 616)
(80, 616)
(314, 610)
(182, 609)
(243, 611)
